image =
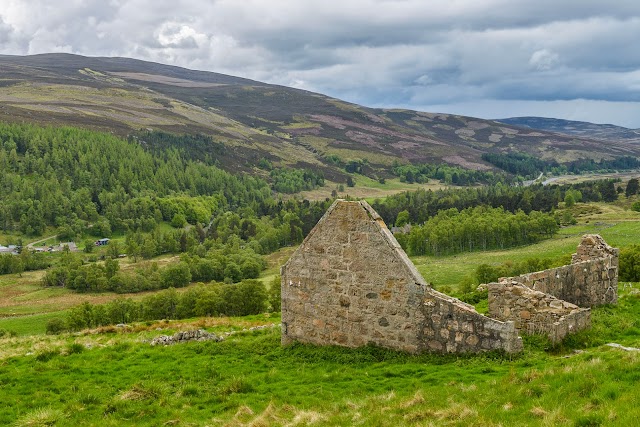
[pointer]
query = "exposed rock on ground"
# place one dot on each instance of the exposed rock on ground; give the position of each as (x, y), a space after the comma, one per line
(185, 336)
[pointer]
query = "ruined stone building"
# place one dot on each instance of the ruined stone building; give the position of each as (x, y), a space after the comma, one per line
(351, 284)
(556, 302)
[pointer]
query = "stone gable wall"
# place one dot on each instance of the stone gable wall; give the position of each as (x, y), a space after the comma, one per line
(591, 279)
(535, 312)
(351, 284)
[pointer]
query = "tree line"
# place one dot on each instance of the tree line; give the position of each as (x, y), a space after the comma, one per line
(528, 166)
(216, 299)
(423, 204)
(481, 228)
(229, 249)
(201, 259)
(447, 174)
(288, 180)
(26, 261)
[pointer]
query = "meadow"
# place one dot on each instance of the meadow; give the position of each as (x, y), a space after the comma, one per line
(114, 377)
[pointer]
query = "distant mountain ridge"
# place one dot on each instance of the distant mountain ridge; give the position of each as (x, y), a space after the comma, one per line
(251, 121)
(605, 132)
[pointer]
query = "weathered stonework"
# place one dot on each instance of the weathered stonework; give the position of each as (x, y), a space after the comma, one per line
(350, 284)
(548, 302)
(535, 312)
(591, 279)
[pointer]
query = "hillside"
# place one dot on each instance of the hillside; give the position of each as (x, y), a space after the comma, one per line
(115, 378)
(254, 120)
(604, 132)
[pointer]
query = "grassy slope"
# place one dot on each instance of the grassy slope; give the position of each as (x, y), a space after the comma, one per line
(254, 120)
(249, 379)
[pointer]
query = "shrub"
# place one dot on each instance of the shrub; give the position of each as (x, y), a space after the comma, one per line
(274, 294)
(75, 348)
(630, 264)
(178, 220)
(46, 355)
(55, 326)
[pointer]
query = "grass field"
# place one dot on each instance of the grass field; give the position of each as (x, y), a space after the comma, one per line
(115, 378)
(369, 188)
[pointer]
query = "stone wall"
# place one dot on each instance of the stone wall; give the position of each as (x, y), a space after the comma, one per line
(591, 279)
(535, 312)
(351, 284)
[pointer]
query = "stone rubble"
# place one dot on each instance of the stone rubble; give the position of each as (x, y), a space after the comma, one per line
(185, 336)
(201, 335)
(621, 347)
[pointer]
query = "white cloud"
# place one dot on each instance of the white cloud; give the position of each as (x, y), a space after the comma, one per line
(543, 60)
(175, 35)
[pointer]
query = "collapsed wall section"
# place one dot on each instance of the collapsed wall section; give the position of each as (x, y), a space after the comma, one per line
(535, 312)
(452, 326)
(591, 279)
(351, 284)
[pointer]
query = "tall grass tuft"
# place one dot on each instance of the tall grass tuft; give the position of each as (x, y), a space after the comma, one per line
(46, 355)
(40, 417)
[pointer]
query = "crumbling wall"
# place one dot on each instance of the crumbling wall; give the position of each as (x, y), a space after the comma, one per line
(591, 279)
(535, 312)
(548, 302)
(452, 326)
(350, 284)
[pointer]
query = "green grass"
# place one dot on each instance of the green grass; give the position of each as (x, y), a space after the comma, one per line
(30, 324)
(40, 293)
(249, 379)
(368, 188)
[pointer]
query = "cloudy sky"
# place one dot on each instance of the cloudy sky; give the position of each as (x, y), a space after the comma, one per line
(573, 59)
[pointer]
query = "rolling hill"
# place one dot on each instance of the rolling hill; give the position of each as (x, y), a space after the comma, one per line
(604, 132)
(249, 120)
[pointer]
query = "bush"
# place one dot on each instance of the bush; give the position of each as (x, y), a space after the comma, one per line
(630, 264)
(55, 326)
(75, 348)
(176, 276)
(274, 294)
(178, 220)
(46, 355)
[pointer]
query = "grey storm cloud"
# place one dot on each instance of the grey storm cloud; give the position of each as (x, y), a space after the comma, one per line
(503, 56)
